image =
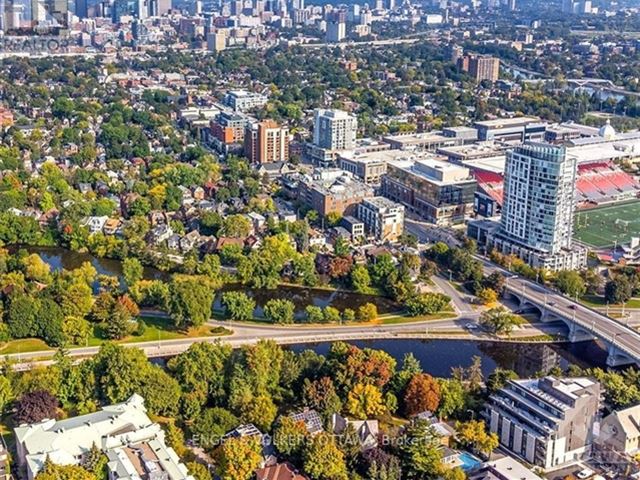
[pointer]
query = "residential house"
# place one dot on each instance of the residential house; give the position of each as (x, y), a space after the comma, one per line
(274, 170)
(312, 420)
(366, 430)
(159, 234)
(279, 471)
(250, 430)
(111, 226)
(173, 242)
(191, 240)
(95, 224)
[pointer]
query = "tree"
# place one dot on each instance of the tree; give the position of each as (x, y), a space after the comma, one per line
(289, 437)
(367, 312)
(199, 471)
(364, 401)
(119, 324)
(426, 304)
(422, 394)
(208, 428)
(160, 391)
(237, 226)
(21, 316)
(279, 311)
(473, 434)
(452, 397)
(487, 296)
(51, 471)
(321, 396)
(570, 283)
(76, 330)
(323, 460)
(498, 379)
(6, 393)
(419, 450)
(500, 320)
(496, 281)
(331, 314)
(259, 410)
(95, 462)
(238, 458)
(36, 269)
(348, 315)
(314, 314)
(238, 305)
(618, 290)
(190, 300)
(360, 279)
(118, 371)
(35, 406)
(132, 270)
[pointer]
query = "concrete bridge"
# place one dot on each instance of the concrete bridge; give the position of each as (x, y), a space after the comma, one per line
(584, 323)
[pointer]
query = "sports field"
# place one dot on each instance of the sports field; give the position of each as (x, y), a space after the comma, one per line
(602, 227)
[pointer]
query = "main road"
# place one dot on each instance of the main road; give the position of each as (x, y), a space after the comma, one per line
(583, 322)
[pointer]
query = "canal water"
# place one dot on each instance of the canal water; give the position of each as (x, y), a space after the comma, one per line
(437, 357)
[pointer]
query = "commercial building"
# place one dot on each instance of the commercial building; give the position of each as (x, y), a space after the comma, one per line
(368, 167)
(134, 445)
(334, 130)
(429, 142)
(514, 130)
(333, 191)
(505, 468)
(242, 101)
(538, 206)
(266, 142)
(382, 218)
(336, 31)
(546, 421)
(439, 192)
(216, 41)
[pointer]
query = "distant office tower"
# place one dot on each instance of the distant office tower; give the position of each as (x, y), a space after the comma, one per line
(538, 207)
(484, 68)
(391, 4)
(266, 142)
(336, 31)
(163, 7)
(379, 4)
(216, 41)
(81, 9)
(142, 9)
(456, 53)
(577, 7)
(334, 130)
(512, 5)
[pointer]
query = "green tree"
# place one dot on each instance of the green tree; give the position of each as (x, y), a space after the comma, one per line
(473, 434)
(367, 312)
(190, 300)
(208, 428)
(360, 279)
(498, 379)
(76, 330)
(132, 270)
(199, 471)
(119, 371)
(237, 226)
(419, 450)
(618, 290)
(570, 283)
(453, 397)
(6, 393)
(261, 411)
(323, 460)
(238, 305)
(500, 320)
(51, 471)
(160, 391)
(279, 311)
(314, 314)
(289, 437)
(426, 304)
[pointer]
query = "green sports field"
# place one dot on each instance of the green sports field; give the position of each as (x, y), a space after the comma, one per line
(602, 227)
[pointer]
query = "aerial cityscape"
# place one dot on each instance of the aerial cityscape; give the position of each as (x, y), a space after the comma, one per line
(289, 240)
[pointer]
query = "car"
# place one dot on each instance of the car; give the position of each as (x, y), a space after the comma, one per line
(471, 326)
(551, 304)
(573, 307)
(585, 473)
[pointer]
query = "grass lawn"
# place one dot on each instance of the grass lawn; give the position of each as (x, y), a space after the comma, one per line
(597, 301)
(398, 319)
(602, 227)
(158, 328)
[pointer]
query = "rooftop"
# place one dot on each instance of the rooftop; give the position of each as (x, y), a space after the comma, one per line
(507, 122)
(435, 171)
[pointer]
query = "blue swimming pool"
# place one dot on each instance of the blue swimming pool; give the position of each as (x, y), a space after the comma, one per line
(468, 461)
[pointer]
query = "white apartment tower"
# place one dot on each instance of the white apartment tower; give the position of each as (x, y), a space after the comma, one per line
(538, 207)
(334, 130)
(539, 196)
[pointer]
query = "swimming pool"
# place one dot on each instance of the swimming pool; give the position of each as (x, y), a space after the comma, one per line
(468, 461)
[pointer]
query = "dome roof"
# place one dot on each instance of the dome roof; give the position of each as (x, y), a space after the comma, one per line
(607, 131)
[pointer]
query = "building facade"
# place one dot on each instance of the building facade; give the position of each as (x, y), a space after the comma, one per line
(334, 130)
(266, 142)
(547, 421)
(538, 207)
(484, 68)
(382, 218)
(439, 192)
(367, 167)
(333, 191)
(241, 100)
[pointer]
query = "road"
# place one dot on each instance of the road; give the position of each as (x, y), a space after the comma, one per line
(247, 334)
(611, 331)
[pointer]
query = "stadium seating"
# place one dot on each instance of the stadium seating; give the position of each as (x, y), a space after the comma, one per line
(600, 182)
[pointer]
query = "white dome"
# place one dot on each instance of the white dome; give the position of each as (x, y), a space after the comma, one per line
(607, 131)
